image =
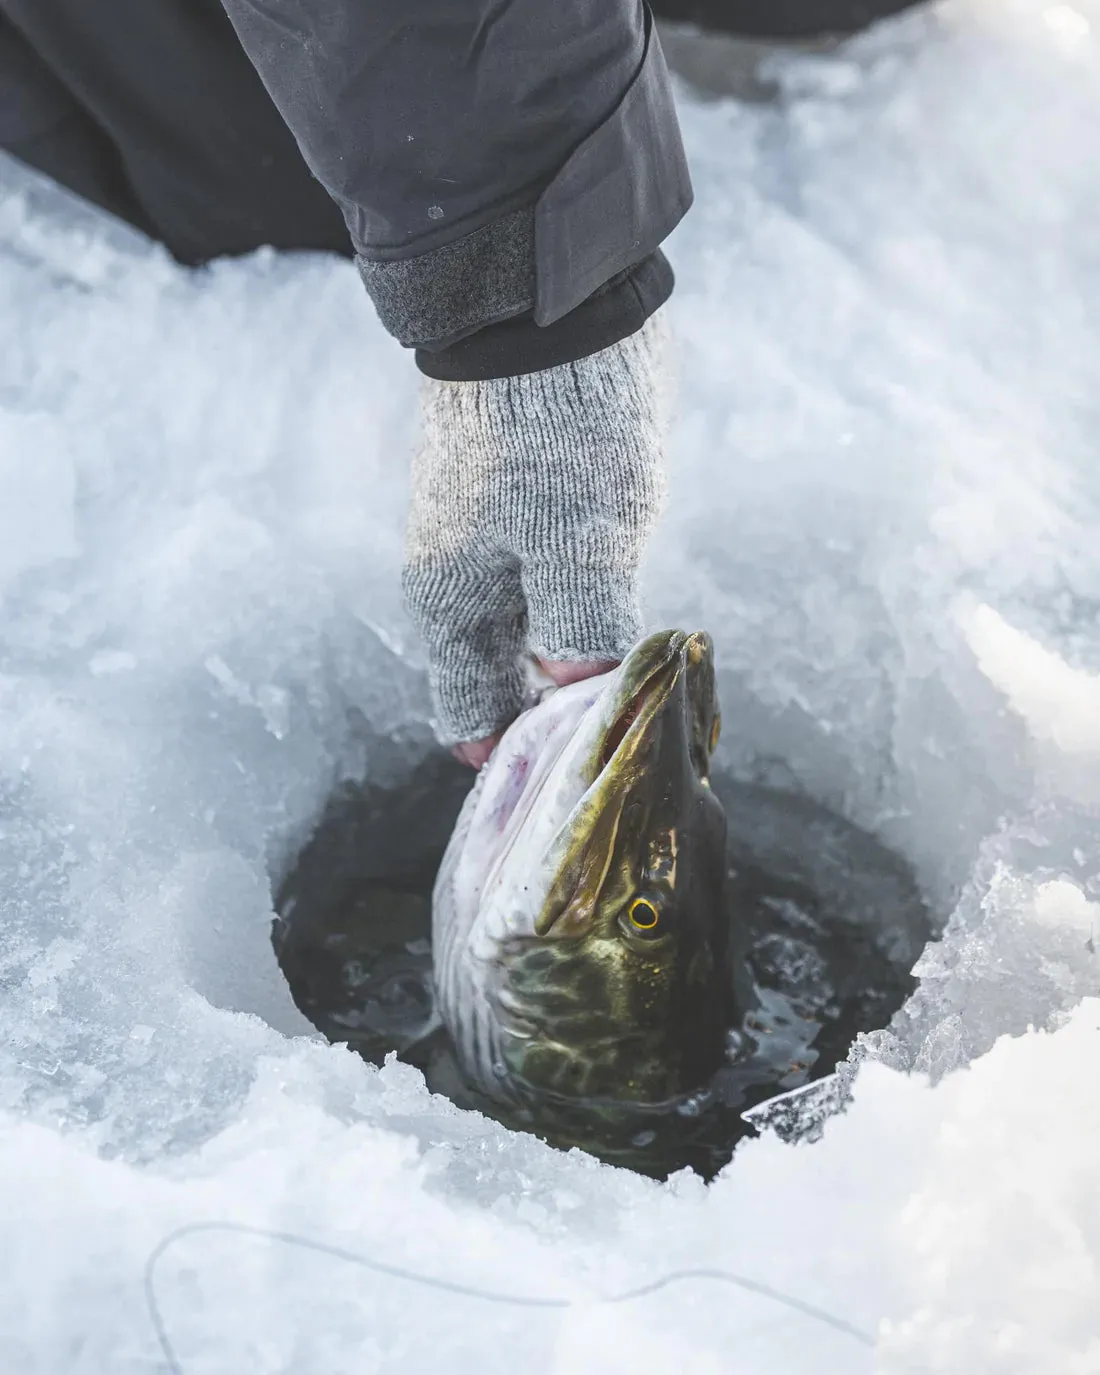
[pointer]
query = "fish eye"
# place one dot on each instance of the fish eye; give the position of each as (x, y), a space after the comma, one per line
(643, 916)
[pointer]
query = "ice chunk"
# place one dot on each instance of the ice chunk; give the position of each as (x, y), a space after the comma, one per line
(1059, 703)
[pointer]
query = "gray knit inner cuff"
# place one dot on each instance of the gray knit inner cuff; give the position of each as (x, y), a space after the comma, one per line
(443, 295)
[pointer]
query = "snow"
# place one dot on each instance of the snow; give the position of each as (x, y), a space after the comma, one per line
(885, 500)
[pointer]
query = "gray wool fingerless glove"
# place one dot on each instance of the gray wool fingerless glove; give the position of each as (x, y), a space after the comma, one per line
(532, 501)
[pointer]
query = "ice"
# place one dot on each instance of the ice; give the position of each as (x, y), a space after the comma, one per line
(1008, 1172)
(884, 507)
(37, 490)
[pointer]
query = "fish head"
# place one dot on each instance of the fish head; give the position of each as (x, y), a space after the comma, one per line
(588, 889)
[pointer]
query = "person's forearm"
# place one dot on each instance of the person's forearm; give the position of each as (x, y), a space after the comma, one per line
(495, 162)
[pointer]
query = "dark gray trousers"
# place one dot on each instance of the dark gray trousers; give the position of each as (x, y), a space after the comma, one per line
(151, 109)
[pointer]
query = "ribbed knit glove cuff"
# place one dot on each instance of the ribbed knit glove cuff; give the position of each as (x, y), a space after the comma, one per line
(533, 498)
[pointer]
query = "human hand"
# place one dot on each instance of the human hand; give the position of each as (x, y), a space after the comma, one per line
(533, 497)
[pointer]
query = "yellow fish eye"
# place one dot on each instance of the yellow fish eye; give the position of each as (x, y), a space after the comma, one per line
(643, 915)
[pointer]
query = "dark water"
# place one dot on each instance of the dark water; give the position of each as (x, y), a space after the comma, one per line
(830, 924)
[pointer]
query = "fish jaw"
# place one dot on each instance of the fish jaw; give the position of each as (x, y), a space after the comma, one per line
(654, 730)
(527, 795)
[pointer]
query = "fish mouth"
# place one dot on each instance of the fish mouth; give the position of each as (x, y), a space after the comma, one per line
(658, 738)
(650, 676)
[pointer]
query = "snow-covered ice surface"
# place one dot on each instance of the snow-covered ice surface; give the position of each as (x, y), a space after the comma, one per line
(885, 508)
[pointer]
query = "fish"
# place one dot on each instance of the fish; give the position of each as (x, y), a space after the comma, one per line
(580, 929)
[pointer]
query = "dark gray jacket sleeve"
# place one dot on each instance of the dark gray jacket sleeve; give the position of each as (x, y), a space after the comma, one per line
(494, 159)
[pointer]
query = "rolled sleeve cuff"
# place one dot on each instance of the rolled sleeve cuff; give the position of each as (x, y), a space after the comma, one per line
(516, 347)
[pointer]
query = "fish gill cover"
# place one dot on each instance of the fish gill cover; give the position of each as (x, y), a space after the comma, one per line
(885, 499)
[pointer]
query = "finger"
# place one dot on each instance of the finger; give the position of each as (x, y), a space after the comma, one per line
(564, 672)
(476, 752)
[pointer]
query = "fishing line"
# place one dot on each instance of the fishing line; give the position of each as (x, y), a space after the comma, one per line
(468, 1291)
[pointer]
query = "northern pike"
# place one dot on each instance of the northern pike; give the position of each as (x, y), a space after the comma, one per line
(579, 920)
